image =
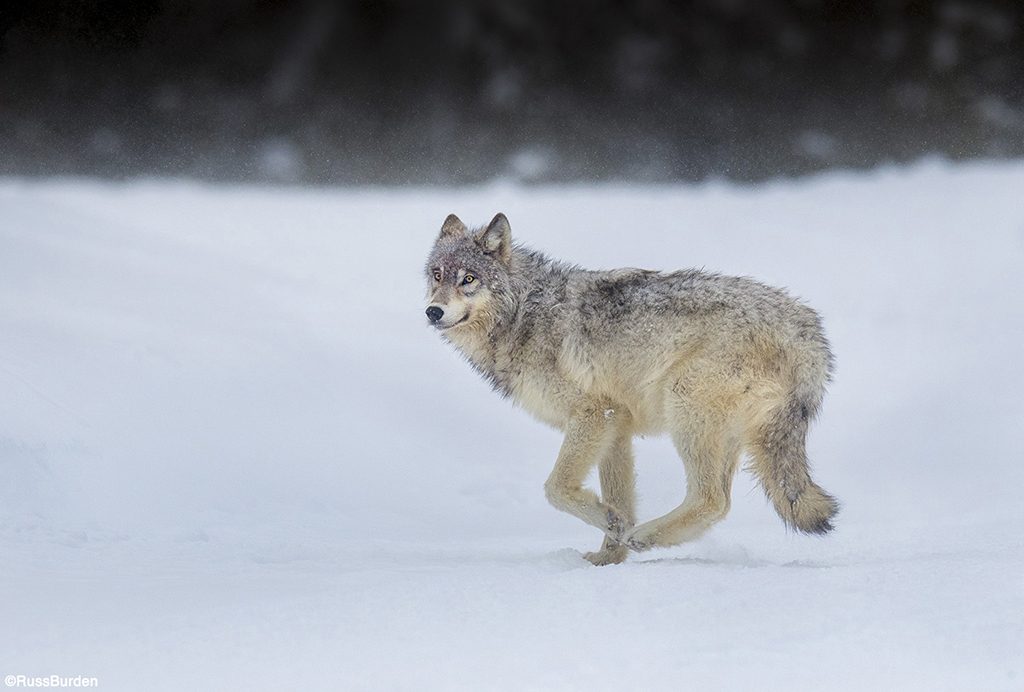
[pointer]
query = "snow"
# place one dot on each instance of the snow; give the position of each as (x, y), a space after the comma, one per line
(232, 455)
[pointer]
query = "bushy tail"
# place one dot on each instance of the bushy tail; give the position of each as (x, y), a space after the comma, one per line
(780, 462)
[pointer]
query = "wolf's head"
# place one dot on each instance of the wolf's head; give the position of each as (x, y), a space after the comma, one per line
(467, 273)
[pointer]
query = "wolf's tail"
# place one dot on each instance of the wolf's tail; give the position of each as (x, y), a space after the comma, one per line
(780, 458)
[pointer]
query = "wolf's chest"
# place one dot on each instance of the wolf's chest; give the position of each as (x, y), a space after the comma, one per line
(542, 395)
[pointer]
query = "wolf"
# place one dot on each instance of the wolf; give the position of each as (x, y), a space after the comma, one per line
(725, 365)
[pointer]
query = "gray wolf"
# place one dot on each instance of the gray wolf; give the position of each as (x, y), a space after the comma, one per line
(725, 365)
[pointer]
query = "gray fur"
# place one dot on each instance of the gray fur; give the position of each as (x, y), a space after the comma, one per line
(723, 364)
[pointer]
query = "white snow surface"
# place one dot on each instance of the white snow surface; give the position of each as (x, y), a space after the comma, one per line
(233, 455)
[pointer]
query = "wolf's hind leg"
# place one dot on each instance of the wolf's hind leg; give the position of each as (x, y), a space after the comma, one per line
(589, 437)
(710, 461)
(618, 489)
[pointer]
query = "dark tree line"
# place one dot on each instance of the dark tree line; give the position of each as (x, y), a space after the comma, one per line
(393, 91)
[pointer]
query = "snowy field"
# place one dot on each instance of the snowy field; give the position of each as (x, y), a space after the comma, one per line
(232, 455)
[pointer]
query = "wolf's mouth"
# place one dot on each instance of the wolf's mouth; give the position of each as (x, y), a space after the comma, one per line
(445, 328)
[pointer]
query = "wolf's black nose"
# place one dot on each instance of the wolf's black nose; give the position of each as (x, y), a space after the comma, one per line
(434, 313)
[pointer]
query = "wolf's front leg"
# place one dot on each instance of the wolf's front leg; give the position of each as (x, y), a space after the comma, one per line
(618, 489)
(589, 436)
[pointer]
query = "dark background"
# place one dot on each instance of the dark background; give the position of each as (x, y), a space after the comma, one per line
(393, 92)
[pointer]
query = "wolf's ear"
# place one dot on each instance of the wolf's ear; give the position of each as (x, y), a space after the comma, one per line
(496, 239)
(452, 227)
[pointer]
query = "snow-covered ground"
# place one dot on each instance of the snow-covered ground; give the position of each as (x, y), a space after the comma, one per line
(232, 456)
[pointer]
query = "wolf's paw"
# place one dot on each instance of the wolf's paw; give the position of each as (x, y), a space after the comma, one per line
(607, 556)
(639, 541)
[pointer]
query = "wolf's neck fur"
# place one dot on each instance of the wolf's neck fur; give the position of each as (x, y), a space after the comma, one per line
(493, 343)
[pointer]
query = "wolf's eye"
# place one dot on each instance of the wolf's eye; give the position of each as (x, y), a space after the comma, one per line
(468, 280)
(437, 275)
